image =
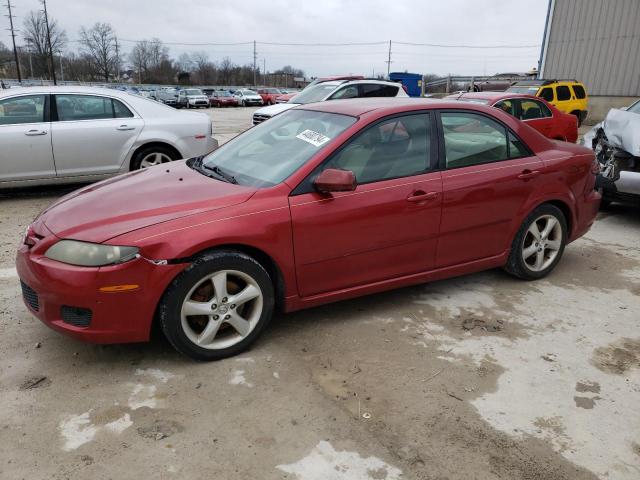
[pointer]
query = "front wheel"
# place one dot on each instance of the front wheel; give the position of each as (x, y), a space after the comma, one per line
(539, 243)
(218, 306)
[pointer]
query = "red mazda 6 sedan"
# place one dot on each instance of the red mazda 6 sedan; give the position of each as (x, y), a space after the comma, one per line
(322, 203)
(534, 111)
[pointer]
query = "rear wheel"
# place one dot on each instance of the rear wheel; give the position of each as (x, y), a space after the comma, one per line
(578, 116)
(218, 306)
(539, 243)
(152, 156)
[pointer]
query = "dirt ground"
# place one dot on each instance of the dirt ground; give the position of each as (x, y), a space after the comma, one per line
(479, 377)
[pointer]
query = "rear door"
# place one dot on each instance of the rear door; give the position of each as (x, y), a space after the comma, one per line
(93, 134)
(563, 98)
(537, 115)
(25, 138)
(488, 174)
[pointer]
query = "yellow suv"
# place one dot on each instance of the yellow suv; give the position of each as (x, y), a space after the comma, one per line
(569, 96)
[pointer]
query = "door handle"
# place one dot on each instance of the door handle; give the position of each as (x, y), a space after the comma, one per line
(125, 128)
(34, 133)
(420, 196)
(528, 174)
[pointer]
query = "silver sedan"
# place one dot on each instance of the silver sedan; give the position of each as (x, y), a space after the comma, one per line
(79, 134)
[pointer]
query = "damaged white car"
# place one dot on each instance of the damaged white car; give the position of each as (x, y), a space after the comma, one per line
(616, 143)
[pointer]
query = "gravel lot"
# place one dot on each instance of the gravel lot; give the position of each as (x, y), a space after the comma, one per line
(479, 377)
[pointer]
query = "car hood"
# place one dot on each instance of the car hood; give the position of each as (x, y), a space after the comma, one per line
(197, 97)
(274, 110)
(139, 199)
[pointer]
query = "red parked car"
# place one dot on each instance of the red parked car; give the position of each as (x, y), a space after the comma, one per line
(534, 111)
(222, 98)
(324, 202)
(269, 95)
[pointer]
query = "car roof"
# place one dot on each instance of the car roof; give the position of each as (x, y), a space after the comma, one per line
(359, 106)
(541, 82)
(65, 89)
(492, 96)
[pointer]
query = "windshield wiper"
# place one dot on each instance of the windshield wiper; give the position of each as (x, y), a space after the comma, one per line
(227, 177)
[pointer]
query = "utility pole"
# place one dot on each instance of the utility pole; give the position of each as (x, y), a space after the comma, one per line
(13, 38)
(255, 59)
(46, 21)
(388, 62)
(61, 69)
(264, 71)
(30, 61)
(117, 61)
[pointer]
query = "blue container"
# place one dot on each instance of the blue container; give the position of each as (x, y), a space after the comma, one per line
(413, 82)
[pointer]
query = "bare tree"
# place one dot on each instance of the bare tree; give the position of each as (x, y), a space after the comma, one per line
(150, 59)
(35, 33)
(99, 44)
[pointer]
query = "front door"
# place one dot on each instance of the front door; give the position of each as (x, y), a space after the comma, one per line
(488, 176)
(25, 139)
(384, 229)
(93, 134)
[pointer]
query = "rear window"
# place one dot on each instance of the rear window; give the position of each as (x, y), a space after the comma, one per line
(579, 91)
(563, 93)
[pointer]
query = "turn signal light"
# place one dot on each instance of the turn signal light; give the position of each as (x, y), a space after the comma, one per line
(119, 288)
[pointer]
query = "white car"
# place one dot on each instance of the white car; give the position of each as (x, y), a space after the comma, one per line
(192, 98)
(333, 90)
(248, 97)
(80, 134)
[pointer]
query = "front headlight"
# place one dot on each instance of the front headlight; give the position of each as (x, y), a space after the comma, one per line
(87, 254)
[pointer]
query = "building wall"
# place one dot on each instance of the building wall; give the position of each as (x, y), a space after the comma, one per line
(596, 42)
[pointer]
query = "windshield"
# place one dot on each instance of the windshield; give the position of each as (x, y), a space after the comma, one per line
(270, 152)
(635, 108)
(193, 91)
(249, 92)
(528, 90)
(314, 94)
(481, 101)
(222, 94)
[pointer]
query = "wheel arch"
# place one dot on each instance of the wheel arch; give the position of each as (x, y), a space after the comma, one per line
(262, 257)
(566, 211)
(153, 144)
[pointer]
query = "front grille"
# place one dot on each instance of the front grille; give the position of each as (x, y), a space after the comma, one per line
(77, 316)
(259, 118)
(30, 296)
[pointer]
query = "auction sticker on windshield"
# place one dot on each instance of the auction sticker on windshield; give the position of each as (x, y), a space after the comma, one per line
(314, 138)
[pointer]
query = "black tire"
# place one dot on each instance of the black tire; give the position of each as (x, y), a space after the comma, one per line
(244, 104)
(516, 265)
(136, 161)
(579, 117)
(169, 309)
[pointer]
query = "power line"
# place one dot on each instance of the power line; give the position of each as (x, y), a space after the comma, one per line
(441, 45)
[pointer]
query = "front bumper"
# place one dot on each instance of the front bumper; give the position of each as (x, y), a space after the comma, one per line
(52, 287)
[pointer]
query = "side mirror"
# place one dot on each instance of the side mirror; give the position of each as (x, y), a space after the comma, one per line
(335, 180)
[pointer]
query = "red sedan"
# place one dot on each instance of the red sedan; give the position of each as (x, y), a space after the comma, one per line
(534, 111)
(269, 95)
(222, 98)
(322, 203)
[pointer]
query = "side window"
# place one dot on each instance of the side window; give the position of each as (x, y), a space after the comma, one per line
(507, 106)
(516, 148)
(472, 139)
(563, 93)
(83, 107)
(547, 94)
(376, 90)
(120, 110)
(579, 91)
(347, 92)
(398, 147)
(27, 109)
(531, 109)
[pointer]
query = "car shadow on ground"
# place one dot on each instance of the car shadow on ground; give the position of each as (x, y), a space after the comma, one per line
(54, 191)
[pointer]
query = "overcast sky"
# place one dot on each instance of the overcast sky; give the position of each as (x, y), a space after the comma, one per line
(449, 22)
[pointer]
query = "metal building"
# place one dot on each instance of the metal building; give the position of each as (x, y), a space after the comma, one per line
(596, 42)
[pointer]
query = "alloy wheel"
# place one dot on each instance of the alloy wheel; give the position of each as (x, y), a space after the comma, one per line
(221, 309)
(542, 242)
(154, 158)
